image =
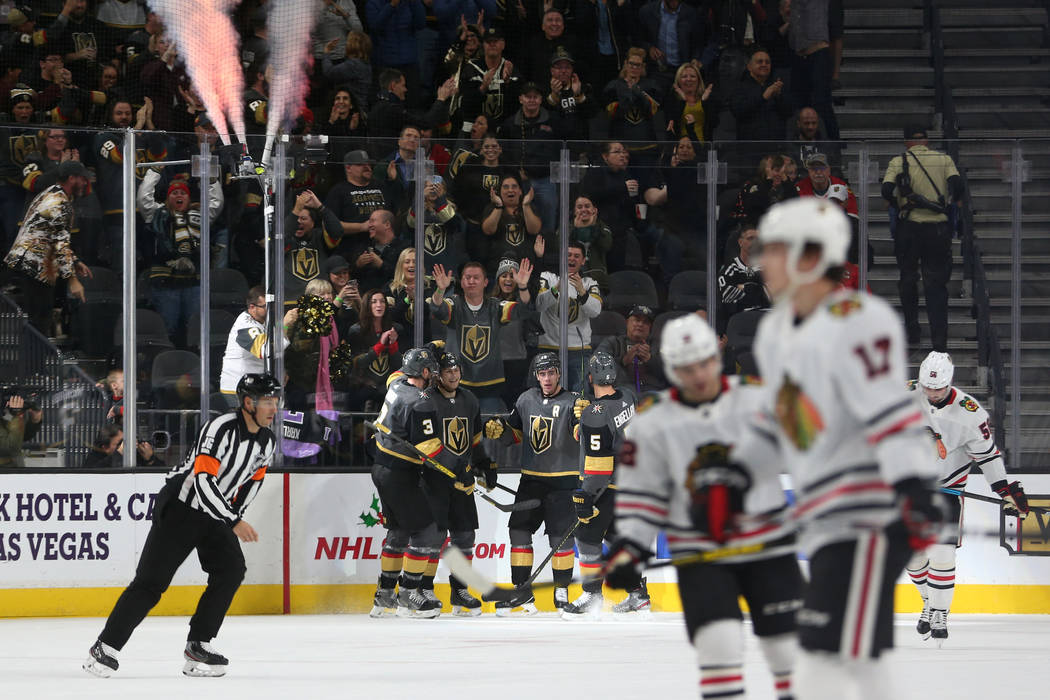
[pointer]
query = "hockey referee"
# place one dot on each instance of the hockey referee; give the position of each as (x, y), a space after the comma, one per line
(200, 507)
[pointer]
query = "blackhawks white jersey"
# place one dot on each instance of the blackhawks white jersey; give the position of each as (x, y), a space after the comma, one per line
(659, 456)
(962, 433)
(839, 409)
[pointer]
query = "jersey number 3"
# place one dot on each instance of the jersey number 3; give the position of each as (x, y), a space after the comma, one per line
(876, 358)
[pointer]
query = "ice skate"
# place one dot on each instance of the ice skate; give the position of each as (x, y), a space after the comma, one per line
(561, 598)
(636, 602)
(384, 604)
(463, 603)
(430, 595)
(411, 602)
(587, 606)
(203, 661)
(939, 626)
(101, 660)
(523, 604)
(923, 625)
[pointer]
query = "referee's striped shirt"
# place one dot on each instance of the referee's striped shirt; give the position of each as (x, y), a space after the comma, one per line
(223, 472)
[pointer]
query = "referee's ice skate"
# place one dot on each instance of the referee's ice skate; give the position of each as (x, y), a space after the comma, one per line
(203, 661)
(101, 660)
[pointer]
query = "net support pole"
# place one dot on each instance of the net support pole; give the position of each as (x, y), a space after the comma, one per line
(564, 172)
(128, 302)
(279, 169)
(863, 182)
(1018, 172)
(421, 170)
(203, 172)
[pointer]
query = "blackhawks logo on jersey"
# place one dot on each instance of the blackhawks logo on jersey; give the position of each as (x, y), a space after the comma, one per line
(455, 435)
(475, 342)
(844, 307)
(799, 418)
(541, 433)
(969, 404)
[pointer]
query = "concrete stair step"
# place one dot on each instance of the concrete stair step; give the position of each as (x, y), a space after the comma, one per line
(885, 17)
(879, 74)
(903, 114)
(995, 16)
(884, 38)
(1014, 117)
(972, 37)
(1000, 56)
(982, 75)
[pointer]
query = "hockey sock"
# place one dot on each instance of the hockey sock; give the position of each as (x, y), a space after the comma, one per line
(415, 564)
(917, 570)
(942, 587)
(780, 651)
(562, 564)
(429, 573)
(720, 651)
(390, 567)
(520, 564)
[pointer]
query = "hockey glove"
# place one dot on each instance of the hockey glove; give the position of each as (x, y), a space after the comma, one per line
(464, 481)
(625, 563)
(578, 407)
(583, 502)
(1015, 502)
(486, 477)
(717, 489)
(494, 428)
(922, 512)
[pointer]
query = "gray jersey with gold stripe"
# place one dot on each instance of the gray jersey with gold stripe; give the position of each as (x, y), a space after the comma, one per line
(408, 412)
(544, 424)
(459, 421)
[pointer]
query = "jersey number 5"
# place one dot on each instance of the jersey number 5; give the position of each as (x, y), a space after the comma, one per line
(876, 358)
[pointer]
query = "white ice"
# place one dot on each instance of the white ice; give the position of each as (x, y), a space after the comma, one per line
(539, 658)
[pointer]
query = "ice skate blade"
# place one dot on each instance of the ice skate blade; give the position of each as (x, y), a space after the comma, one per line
(378, 612)
(590, 616)
(196, 669)
(645, 613)
(460, 611)
(96, 669)
(940, 641)
(418, 614)
(520, 611)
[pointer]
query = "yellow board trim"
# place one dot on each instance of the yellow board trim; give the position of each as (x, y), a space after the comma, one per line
(266, 599)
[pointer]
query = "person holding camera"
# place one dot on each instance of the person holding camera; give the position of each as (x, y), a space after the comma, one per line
(921, 185)
(19, 421)
(107, 450)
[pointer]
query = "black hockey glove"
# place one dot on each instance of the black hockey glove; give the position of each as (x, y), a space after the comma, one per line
(717, 489)
(626, 561)
(923, 510)
(464, 480)
(583, 502)
(487, 476)
(1013, 495)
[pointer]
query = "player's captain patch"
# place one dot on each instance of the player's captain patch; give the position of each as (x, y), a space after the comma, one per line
(844, 307)
(799, 418)
(969, 404)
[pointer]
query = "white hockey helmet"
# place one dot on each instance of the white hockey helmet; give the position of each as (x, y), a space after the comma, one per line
(936, 371)
(685, 340)
(803, 220)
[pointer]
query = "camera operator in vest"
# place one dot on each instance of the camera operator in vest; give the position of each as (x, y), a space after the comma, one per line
(923, 185)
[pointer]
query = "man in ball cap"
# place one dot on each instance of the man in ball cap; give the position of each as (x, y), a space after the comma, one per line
(489, 83)
(638, 366)
(569, 97)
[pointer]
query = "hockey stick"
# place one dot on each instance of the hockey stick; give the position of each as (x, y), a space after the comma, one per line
(989, 499)
(509, 490)
(460, 566)
(438, 466)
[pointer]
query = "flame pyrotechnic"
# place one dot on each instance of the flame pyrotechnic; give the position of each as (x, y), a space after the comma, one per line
(289, 34)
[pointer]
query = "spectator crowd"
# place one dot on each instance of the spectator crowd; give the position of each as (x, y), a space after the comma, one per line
(491, 92)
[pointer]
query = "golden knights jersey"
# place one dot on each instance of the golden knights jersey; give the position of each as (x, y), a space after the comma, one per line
(962, 434)
(838, 407)
(544, 426)
(474, 334)
(601, 437)
(459, 418)
(660, 456)
(408, 412)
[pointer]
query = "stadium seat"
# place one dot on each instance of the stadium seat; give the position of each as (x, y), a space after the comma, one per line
(176, 380)
(688, 291)
(605, 325)
(92, 319)
(630, 287)
(229, 288)
(740, 333)
(219, 326)
(150, 330)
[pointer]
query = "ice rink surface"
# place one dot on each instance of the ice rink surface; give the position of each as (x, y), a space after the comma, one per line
(537, 658)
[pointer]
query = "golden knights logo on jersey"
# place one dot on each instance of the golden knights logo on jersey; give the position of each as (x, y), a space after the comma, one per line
(798, 417)
(475, 342)
(493, 106)
(434, 239)
(489, 182)
(380, 365)
(541, 433)
(305, 264)
(515, 233)
(21, 147)
(455, 435)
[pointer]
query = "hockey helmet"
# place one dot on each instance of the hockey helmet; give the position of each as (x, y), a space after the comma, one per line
(257, 385)
(686, 340)
(803, 220)
(602, 369)
(416, 360)
(449, 360)
(936, 371)
(546, 360)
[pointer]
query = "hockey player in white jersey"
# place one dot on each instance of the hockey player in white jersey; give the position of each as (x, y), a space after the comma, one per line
(854, 444)
(960, 428)
(674, 475)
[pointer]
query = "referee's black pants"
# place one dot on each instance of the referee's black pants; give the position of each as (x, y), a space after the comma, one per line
(177, 530)
(927, 247)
